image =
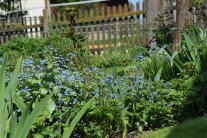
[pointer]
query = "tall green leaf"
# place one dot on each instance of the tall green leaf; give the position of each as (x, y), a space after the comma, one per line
(2, 86)
(11, 88)
(19, 102)
(39, 106)
(190, 46)
(2, 103)
(158, 75)
(69, 129)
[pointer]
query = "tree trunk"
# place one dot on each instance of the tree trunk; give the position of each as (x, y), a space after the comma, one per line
(181, 10)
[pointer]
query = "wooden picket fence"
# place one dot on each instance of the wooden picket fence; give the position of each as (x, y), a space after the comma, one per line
(105, 27)
(20, 27)
(109, 26)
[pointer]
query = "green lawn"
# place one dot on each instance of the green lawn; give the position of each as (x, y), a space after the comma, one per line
(196, 128)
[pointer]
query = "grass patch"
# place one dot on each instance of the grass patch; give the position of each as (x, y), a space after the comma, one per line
(195, 128)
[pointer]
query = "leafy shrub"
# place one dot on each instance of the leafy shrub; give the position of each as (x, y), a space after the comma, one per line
(27, 47)
(65, 40)
(162, 31)
(157, 61)
(53, 73)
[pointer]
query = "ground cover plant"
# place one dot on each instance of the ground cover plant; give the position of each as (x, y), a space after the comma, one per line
(154, 89)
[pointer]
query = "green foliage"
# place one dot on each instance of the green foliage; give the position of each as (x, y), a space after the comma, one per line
(70, 127)
(10, 124)
(117, 57)
(157, 60)
(27, 47)
(65, 40)
(198, 2)
(190, 61)
(112, 59)
(160, 90)
(162, 31)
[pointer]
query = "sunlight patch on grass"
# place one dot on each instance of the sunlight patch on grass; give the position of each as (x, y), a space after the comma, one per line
(195, 128)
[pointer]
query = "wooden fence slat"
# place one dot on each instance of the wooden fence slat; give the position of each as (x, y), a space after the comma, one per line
(103, 27)
(1, 40)
(30, 23)
(11, 23)
(115, 27)
(87, 35)
(21, 24)
(132, 30)
(41, 28)
(92, 29)
(125, 9)
(36, 29)
(1, 34)
(121, 29)
(109, 28)
(114, 10)
(86, 27)
(126, 30)
(144, 26)
(98, 34)
(120, 26)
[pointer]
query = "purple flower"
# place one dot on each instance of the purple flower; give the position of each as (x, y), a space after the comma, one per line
(76, 86)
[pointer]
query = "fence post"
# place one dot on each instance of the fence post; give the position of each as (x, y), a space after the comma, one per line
(103, 27)
(181, 8)
(92, 28)
(45, 22)
(145, 23)
(46, 18)
(138, 24)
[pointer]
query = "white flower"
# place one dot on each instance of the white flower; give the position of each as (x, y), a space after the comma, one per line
(101, 53)
(126, 51)
(119, 44)
(96, 53)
